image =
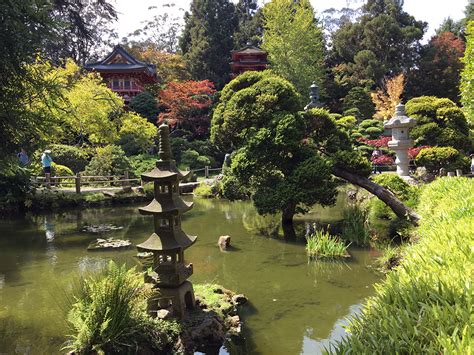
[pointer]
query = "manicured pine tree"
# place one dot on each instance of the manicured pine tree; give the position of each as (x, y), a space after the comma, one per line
(207, 41)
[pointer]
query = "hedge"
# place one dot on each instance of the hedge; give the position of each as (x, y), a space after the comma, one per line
(425, 305)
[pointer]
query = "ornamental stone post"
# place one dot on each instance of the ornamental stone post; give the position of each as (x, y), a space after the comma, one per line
(400, 125)
(313, 97)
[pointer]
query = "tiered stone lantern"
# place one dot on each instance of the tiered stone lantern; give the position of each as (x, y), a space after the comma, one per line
(313, 97)
(400, 125)
(168, 275)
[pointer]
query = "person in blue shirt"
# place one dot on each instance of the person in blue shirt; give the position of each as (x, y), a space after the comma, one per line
(46, 161)
(23, 158)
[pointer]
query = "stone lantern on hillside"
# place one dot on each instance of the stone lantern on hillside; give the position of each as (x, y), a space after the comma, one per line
(400, 125)
(313, 97)
(168, 275)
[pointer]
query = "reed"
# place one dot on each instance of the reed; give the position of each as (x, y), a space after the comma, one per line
(321, 244)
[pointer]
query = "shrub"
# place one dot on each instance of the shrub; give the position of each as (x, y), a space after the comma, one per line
(204, 190)
(396, 184)
(321, 245)
(14, 183)
(360, 99)
(136, 134)
(109, 160)
(355, 226)
(73, 157)
(60, 170)
(425, 305)
(193, 160)
(146, 105)
(108, 315)
(436, 158)
(142, 163)
(233, 190)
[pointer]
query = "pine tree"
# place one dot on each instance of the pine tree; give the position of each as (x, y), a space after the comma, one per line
(207, 41)
(294, 42)
(250, 26)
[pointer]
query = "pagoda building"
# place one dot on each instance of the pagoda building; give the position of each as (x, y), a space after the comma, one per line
(169, 273)
(124, 74)
(248, 58)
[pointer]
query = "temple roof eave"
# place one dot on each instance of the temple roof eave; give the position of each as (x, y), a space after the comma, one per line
(167, 243)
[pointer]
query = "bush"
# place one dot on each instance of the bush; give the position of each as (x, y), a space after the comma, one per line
(60, 170)
(73, 157)
(109, 160)
(136, 134)
(142, 163)
(360, 99)
(145, 105)
(397, 185)
(425, 305)
(108, 315)
(193, 160)
(204, 190)
(436, 158)
(14, 183)
(233, 190)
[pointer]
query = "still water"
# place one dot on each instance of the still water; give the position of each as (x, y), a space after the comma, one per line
(297, 306)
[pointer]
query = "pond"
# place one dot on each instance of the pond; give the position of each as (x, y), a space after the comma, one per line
(297, 306)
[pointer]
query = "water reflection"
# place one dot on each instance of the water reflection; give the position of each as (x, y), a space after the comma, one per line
(294, 304)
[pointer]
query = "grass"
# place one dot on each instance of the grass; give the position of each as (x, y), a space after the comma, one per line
(108, 315)
(425, 305)
(322, 245)
(355, 226)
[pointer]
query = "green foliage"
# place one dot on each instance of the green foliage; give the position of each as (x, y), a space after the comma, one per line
(321, 244)
(424, 306)
(73, 157)
(359, 98)
(370, 128)
(203, 148)
(204, 190)
(436, 158)
(467, 75)
(108, 315)
(14, 183)
(142, 163)
(136, 134)
(384, 39)
(215, 298)
(190, 158)
(206, 41)
(355, 226)
(145, 105)
(109, 160)
(250, 24)
(60, 170)
(439, 123)
(233, 189)
(294, 42)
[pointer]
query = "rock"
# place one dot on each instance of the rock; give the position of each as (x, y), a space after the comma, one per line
(210, 329)
(164, 314)
(141, 189)
(235, 325)
(108, 193)
(101, 228)
(224, 242)
(239, 299)
(352, 194)
(110, 243)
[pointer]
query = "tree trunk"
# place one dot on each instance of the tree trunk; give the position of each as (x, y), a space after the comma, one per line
(287, 222)
(381, 192)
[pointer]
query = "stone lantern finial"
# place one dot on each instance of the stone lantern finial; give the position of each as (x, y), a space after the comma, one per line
(164, 148)
(313, 97)
(400, 124)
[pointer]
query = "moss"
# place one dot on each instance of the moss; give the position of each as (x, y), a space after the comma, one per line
(215, 297)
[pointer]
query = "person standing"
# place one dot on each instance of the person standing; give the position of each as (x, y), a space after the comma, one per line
(375, 154)
(46, 161)
(472, 163)
(23, 158)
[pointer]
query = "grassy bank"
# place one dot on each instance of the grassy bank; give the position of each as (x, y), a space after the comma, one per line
(425, 305)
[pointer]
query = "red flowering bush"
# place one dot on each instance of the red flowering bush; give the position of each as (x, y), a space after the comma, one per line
(382, 141)
(382, 160)
(413, 152)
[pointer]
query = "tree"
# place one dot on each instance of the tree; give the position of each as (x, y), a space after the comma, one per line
(294, 42)
(358, 99)
(439, 68)
(206, 41)
(160, 32)
(281, 155)
(388, 97)
(146, 105)
(467, 76)
(83, 29)
(383, 42)
(250, 26)
(136, 134)
(439, 123)
(186, 105)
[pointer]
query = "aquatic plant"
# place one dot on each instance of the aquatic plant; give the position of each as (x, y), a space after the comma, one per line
(321, 244)
(108, 315)
(355, 227)
(425, 305)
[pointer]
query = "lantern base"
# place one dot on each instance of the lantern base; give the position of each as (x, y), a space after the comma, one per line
(181, 299)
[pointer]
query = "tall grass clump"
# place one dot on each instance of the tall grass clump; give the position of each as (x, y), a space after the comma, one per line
(425, 305)
(108, 315)
(320, 244)
(355, 226)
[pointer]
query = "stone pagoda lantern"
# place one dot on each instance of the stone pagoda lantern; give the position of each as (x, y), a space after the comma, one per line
(400, 125)
(168, 275)
(313, 97)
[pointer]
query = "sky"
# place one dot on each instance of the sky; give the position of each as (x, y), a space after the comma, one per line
(133, 12)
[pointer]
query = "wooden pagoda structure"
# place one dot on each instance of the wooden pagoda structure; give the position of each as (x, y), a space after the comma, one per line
(248, 58)
(169, 273)
(123, 73)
